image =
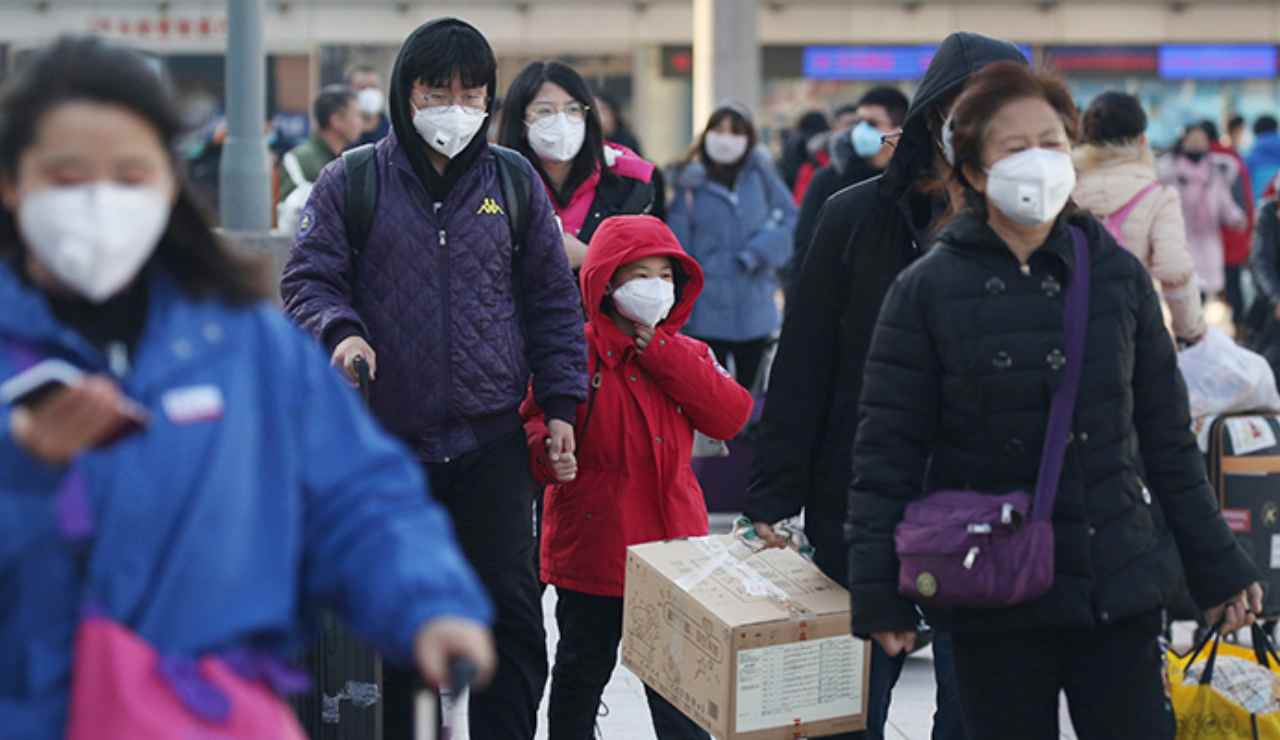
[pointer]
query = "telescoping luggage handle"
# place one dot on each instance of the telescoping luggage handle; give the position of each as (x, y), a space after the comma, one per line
(462, 673)
(361, 366)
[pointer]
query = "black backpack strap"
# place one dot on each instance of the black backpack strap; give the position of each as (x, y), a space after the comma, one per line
(361, 198)
(517, 189)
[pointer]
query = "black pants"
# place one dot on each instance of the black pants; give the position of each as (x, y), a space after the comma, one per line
(1112, 676)
(590, 632)
(1235, 292)
(747, 357)
(489, 496)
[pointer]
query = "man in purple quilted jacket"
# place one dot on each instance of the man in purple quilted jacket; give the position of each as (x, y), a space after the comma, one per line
(452, 336)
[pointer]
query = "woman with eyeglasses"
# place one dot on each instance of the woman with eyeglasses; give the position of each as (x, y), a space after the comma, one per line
(550, 119)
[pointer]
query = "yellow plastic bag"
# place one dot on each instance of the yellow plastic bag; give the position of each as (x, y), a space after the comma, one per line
(1226, 692)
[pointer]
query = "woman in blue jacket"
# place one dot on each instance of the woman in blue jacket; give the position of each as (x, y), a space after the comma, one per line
(734, 215)
(255, 490)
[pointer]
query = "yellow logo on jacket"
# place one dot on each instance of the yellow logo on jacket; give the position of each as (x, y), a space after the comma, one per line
(490, 207)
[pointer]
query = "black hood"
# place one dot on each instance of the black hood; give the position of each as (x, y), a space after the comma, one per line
(438, 185)
(959, 56)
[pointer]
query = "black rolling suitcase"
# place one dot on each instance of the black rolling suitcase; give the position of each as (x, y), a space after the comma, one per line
(345, 700)
(1244, 467)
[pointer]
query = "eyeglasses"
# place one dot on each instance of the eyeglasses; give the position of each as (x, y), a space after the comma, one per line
(475, 101)
(892, 138)
(542, 111)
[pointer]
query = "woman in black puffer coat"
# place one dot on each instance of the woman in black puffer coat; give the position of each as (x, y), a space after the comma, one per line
(967, 353)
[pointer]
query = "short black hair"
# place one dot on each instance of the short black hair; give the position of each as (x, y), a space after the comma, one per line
(845, 110)
(889, 98)
(452, 49)
(813, 122)
(1114, 117)
(331, 100)
(1265, 125)
(1235, 122)
(1211, 129)
(515, 133)
(86, 68)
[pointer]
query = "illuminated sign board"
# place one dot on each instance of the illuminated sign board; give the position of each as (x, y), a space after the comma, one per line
(871, 62)
(1233, 62)
(1102, 59)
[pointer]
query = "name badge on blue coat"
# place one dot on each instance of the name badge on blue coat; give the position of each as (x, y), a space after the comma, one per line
(193, 404)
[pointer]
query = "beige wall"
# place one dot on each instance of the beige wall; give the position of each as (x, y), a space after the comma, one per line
(611, 25)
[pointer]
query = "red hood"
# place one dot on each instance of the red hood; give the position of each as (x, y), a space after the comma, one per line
(621, 240)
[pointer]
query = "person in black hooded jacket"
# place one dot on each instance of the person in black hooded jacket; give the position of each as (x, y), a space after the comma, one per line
(866, 235)
(971, 348)
(857, 153)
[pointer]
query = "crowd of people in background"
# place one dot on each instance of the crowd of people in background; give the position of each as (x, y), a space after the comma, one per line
(547, 318)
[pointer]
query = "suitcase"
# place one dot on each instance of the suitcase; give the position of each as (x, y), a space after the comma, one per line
(345, 700)
(1244, 467)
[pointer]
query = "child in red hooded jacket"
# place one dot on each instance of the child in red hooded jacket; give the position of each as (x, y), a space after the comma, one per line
(630, 480)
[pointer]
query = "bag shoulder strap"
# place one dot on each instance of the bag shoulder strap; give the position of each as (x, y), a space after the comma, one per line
(517, 189)
(361, 197)
(1118, 217)
(293, 166)
(1075, 324)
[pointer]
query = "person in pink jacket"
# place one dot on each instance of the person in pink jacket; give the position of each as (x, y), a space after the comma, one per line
(1117, 183)
(1207, 205)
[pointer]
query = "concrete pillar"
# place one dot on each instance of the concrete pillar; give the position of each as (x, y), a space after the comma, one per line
(726, 55)
(660, 107)
(244, 180)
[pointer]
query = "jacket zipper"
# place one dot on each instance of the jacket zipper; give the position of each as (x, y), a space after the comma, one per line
(448, 323)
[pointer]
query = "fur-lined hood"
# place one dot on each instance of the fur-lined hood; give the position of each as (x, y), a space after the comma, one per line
(1089, 157)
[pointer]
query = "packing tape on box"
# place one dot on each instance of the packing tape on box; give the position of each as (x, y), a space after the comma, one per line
(731, 561)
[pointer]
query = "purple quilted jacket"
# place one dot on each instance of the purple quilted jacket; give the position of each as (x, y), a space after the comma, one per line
(433, 296)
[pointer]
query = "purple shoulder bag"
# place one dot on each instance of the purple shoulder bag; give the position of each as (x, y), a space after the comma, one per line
(980, 550)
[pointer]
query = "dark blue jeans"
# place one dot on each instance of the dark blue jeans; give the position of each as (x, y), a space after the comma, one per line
(948, 723)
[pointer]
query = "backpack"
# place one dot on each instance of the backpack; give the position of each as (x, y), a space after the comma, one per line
(361, 201)
(289, 210)
(1114, 223)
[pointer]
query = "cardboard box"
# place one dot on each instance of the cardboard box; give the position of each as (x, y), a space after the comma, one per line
(750, 645)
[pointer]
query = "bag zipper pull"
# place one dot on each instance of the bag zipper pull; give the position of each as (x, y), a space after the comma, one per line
(1006, 514)
(979, 529)
(972, 556)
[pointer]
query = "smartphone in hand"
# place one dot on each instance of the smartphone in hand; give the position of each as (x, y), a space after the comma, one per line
(41, 382)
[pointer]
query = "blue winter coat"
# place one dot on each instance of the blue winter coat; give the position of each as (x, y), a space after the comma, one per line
(741, 237)
(229, 519)
(1263, 162)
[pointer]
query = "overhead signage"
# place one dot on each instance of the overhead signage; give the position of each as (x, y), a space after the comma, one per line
(1102, 59)
(871, 62)
(1217, 62)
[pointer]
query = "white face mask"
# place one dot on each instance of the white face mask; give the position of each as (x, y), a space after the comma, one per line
(726, 148)
(370, 101)
(645, 300)
(449, 129)
(558, 138)
(94, 238)
(1033, 186)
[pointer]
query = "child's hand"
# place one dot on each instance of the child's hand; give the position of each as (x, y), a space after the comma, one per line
(564, 465)
(644, 335)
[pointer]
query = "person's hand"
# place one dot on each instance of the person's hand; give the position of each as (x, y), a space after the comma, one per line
(896, 643)
(73, 420)
(564, 465)
(561, 441)
(575, 250)
(345, 354)
(444, 639)
(644, 335)
(1240, 611)
(770, 537)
